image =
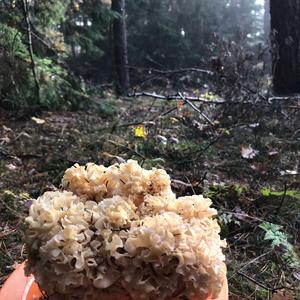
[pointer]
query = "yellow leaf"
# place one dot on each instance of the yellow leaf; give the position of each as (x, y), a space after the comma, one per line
(208, 96)
(140, 131)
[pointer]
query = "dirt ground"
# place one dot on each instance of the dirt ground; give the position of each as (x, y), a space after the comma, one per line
(248, 168)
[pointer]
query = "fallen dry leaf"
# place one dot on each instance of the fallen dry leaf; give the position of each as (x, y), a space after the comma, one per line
(11, 167)
(248, 152)
(296, 274)
(282, 295)
(259, 167)
(38, 121)
(289, 172)
(273, 152)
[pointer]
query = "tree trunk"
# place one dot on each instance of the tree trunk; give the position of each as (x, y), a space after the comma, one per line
(120, 46)
(267, 35)
(267, 21)
(285, 26)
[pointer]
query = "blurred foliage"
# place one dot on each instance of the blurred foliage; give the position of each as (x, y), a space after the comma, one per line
(172, 34)
(72, 43)
(87, 32)
(59, 87)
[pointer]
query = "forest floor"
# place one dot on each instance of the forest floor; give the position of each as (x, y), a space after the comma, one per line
(246, 162)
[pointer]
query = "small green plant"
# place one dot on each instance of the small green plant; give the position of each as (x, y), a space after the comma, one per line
(223, 192)
(9, 197)
(267, 192)
(107, 107)
(227, 218)
(280, 243)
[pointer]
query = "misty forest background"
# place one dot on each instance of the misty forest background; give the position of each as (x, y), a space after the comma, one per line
(206, 89)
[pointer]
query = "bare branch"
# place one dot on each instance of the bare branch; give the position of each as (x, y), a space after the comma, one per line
(196, 109)
(287, 98)
(196, 70)
(167, 72)
(176, 97)
(264, 103)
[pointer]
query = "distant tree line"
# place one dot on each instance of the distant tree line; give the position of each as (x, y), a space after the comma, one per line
(51, 50)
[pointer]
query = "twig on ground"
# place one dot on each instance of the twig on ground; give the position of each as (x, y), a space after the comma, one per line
(255, 281)
(291, 98)
(7, 232)
(203, 178)
(244, 215)
(255, 259)
(151, 121)
(179, 182)
(196, 109)
(190, 185)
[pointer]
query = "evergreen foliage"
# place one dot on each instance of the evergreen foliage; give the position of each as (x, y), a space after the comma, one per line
(72, 43)
(179, 33)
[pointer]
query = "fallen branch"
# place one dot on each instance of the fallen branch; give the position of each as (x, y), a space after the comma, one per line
(176, 97)
(255, 281)
(206, 72)
(271, 289)
(196, 70)
(176, 71)
(196, 109)
(265, 103)
(292, 98)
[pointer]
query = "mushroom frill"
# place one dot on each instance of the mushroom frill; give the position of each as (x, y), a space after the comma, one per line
(120, 230)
